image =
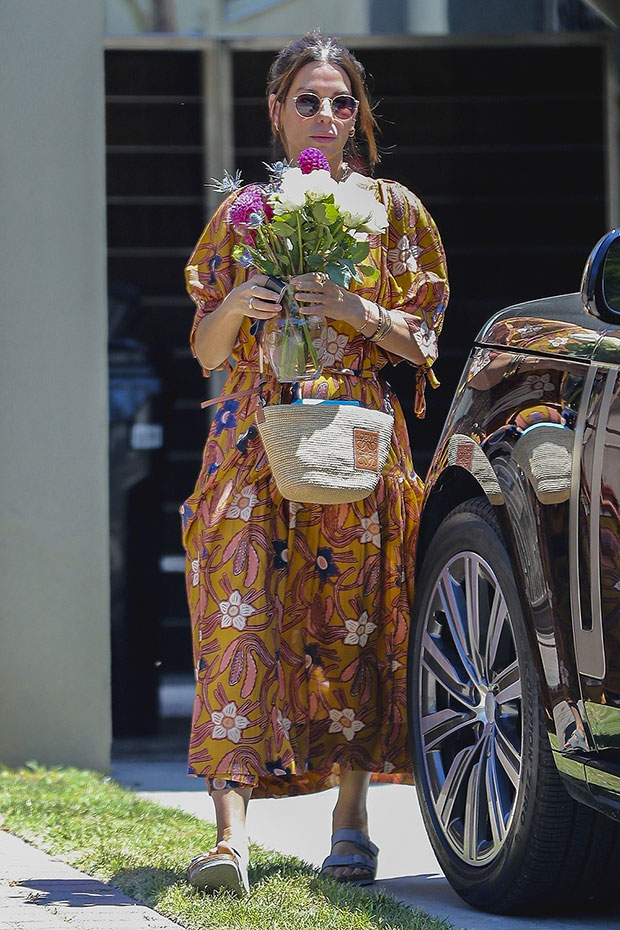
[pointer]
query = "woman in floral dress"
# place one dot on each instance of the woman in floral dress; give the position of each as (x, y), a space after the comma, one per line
(300, 613)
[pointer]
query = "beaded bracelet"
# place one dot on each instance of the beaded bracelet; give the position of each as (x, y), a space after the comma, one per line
(385, 326)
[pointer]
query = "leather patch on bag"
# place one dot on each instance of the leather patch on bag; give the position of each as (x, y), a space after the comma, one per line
(366, 449)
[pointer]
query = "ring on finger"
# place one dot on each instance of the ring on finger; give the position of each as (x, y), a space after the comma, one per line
(251, 303)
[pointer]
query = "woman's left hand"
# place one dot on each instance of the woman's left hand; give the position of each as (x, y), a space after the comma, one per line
(317, 295)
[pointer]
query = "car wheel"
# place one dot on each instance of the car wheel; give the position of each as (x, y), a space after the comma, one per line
(507, 834)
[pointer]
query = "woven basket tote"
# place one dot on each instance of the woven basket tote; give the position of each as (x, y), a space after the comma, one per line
(325, 453)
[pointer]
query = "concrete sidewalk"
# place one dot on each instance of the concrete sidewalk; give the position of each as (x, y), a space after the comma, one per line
(40, 892)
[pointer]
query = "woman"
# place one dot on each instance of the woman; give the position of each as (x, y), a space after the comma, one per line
(300, 613)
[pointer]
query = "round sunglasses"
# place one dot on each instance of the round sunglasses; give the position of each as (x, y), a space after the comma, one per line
(343, 106)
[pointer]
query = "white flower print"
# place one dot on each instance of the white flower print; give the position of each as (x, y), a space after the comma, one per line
(193, 277)
(425, 338)
(558, 341)
(234, 611)
(335, 344)
(195, 575)
(403, 257)
(293, 508)
(228, 723)
(372, 530)
(284, 723)
(242, 503)
(359, 630)
(343, 721)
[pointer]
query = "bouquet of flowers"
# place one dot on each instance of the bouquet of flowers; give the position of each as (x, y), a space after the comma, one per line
(304, 220)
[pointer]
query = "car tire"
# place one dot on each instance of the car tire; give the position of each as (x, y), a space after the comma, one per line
(508, 836)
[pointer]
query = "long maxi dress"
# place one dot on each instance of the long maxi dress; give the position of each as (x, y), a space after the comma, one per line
(300, 613)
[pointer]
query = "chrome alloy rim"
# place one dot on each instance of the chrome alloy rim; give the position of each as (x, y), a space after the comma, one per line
(470, 709)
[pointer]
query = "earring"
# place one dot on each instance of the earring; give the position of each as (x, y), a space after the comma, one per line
(275, 126)
(352, 132)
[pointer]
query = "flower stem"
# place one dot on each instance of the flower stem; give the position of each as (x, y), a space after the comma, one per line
(301, 244)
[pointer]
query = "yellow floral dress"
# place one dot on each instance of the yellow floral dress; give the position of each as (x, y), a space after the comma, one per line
(300, 613)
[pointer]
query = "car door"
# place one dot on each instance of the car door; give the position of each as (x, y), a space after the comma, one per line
(595, 553)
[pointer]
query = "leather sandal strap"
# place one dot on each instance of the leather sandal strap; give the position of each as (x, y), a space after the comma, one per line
(353, 860)
(357, 838)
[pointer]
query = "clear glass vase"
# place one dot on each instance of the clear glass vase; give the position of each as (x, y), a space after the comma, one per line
(294, 343)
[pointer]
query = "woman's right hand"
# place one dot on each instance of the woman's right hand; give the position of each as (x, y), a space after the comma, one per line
(252, 299)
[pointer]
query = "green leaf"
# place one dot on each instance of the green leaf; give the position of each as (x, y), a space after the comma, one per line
(314, 261)
(332, 213)
(369, 271)
(318, 210)
(359, 252)
(339, 274)
(281, 228)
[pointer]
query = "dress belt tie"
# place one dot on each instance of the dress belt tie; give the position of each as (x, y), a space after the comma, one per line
(257, 389)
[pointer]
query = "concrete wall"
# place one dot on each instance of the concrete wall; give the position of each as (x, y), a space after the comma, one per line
(346, 17)
(242, 17)
(54, 579)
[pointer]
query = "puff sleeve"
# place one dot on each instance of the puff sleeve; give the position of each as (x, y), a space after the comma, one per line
(211, 272)
(415, 278)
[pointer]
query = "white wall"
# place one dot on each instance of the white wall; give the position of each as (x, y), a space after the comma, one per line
(54, 581)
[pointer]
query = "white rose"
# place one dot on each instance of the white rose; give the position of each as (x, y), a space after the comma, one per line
(291, 194)
(378, 221)
(359, 206)
(319, 185)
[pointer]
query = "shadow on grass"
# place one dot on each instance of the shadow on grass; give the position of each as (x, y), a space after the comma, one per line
(146, 883)
(149, 886)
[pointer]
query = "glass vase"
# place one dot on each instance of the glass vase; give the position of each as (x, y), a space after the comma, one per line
(294, 343)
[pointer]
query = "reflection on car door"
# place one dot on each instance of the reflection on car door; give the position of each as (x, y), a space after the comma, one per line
(596, 619)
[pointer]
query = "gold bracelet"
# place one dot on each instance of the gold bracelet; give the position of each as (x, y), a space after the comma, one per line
(389, 326)
(378, 324)
(384, 327)
(367, 320)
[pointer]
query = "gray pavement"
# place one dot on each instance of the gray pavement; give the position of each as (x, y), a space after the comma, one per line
(40, 892)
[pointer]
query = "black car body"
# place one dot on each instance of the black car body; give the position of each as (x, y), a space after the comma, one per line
(514, 667)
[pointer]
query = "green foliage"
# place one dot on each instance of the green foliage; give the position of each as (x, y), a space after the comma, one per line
(143, 849)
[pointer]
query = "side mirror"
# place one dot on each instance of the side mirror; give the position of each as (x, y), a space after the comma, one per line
(600, 282)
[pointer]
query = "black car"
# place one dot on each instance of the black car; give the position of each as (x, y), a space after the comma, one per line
(514, 665)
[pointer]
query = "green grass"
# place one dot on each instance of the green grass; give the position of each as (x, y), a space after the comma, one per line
(143, 849)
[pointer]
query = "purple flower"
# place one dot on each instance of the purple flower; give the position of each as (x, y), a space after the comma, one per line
(249, 201)
(312, 160)
(224, 418)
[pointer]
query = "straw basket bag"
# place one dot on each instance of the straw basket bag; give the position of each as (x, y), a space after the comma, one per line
(326, 452)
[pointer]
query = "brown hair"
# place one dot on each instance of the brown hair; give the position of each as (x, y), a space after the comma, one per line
(315, 47)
